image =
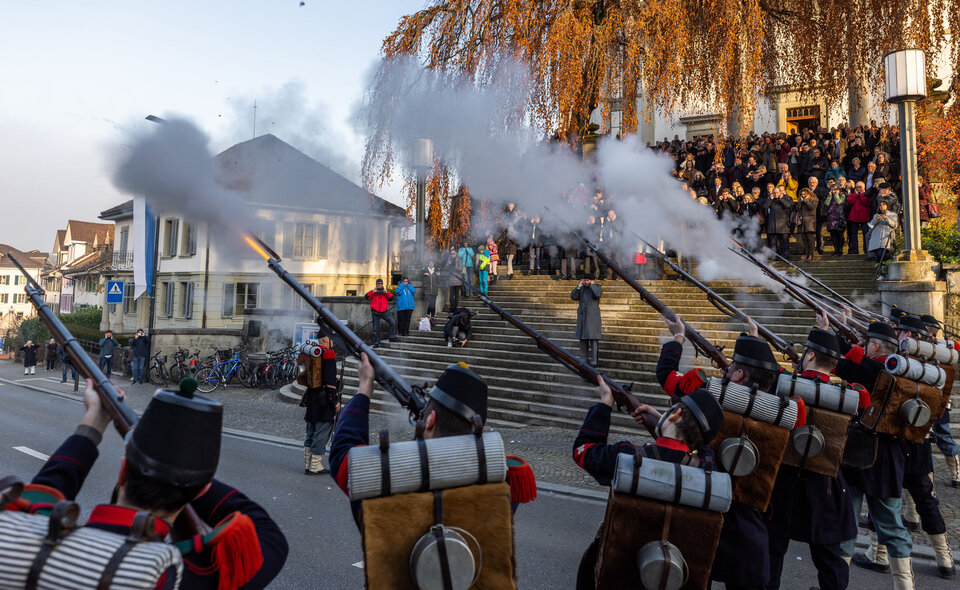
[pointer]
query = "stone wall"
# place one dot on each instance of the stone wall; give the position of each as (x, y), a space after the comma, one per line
(951, 304)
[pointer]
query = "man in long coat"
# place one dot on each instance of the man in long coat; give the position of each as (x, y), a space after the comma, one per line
(589, 328)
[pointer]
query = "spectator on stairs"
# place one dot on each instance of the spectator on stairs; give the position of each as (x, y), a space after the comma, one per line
(589, 324)
(858, 206)
(459, 329)
(494, 257)
(405, 305)
(431, 287)
(881, 235)
(379, 299)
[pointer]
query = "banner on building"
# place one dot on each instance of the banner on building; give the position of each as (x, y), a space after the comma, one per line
(144, 246)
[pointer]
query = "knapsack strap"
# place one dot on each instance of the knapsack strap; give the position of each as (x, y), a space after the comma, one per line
(142, 529)
(63, 520)
(384, 463)
(441, 540)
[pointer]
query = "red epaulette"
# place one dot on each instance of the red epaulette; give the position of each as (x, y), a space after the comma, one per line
(855, 355)
(680, 384)
(328, 353)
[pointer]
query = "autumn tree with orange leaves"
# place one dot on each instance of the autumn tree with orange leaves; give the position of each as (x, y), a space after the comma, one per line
(722, 55)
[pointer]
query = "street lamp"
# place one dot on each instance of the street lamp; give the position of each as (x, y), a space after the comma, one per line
(907, 83)
(422, 164)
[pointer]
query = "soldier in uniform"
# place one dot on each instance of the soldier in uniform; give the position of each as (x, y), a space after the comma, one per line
(458, 394)
(918, 481)
(321, 406)
(882, 482)
(161, 473)
(682, 437)
(941, 427)
(810, 507)
(743, 556)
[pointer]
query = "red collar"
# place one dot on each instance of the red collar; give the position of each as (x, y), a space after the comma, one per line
(112, 515)
(881, 359)
(811, 374)
(672, 444)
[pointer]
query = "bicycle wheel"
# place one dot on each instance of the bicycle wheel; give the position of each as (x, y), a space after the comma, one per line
(251, 379)
(243, 374)
(177, 372)
(208, 379)
(157, 375)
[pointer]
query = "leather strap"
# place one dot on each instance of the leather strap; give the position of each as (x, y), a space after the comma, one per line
(424, 466)
(723, 390)
(637, 460)
(743, 437)
(441, 540)
(384, 463)
(806, 448)
(665, 546)
(12, 487)
(707, 488)
(752, 400)
(141, 530)
(63, 519)
(481, 458)
(677, 482)
(784, 404)
(816, 393)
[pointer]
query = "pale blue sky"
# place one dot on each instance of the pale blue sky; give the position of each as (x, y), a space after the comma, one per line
(75, 74)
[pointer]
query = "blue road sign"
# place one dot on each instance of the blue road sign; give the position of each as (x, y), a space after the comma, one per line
(114, 291)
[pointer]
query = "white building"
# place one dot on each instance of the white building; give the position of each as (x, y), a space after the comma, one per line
(332, 235)
(81, 252)
(13, 299)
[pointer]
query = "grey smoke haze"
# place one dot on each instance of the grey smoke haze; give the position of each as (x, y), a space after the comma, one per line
(170, 164)
(287, 113)
(474, 132)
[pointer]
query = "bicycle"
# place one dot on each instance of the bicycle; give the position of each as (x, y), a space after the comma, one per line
(180, 368)
(223, 372)
(158, 373)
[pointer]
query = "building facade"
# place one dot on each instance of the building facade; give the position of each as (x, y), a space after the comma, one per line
(81, 253)
(333, 236)
(13, 299)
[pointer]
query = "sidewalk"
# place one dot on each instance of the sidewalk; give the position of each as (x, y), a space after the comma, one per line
(261, 414)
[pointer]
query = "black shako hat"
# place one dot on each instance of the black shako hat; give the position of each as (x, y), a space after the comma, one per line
(930, 321)
(754, 352)
(706, 409)
(461, 391)
(896, 313)
(882, 331)
(177, 440)
(824, 341)
(912, 323)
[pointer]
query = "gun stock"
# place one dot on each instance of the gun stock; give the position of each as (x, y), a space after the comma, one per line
(124, 418)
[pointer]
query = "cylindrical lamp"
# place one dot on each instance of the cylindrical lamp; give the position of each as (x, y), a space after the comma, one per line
(906, 83)
(906, 75)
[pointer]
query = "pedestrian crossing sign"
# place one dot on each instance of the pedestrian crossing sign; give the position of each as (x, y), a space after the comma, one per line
(114, 291)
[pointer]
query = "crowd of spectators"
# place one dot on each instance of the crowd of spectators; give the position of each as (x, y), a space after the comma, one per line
(844, 180)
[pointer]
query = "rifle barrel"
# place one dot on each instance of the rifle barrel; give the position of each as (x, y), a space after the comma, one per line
(624, 398)
(124, 418)
(721, 303)
(700, 343)
(408, 397)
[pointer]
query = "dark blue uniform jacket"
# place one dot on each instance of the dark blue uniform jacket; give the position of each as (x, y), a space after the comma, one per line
(67, 469)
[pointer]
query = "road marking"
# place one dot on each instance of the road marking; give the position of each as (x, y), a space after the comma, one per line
(32, 453)
(359, 564)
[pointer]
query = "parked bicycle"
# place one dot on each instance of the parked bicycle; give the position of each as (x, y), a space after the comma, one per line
(227, 369)
(158, 374)
(181, 368)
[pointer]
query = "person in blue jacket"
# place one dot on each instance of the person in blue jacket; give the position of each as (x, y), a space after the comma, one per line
(405, 306)
(162, 474)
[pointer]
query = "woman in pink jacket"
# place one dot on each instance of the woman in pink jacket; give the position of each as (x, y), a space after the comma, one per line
(858, 205)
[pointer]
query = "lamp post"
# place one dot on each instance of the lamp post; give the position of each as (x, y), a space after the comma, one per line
(907, 83)
(422, 164)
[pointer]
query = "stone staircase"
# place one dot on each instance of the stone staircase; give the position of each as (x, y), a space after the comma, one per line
(527, 387)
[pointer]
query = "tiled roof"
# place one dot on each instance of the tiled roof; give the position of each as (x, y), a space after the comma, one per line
(31, 259)
(121, 211)
(89, 232)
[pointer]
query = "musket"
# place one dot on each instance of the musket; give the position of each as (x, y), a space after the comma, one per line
(123, 416)
(837, 297)
(791, 289)
(622, 395)
(781, 345)
(409, 397)
(830, 300)
(700, 344)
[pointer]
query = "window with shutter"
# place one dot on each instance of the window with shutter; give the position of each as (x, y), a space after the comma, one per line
(323, 231)
(186, 300)
(189, 246)
(169, 289)
(124, 239)
(288, 238)
(266, 296)
(229, 299)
